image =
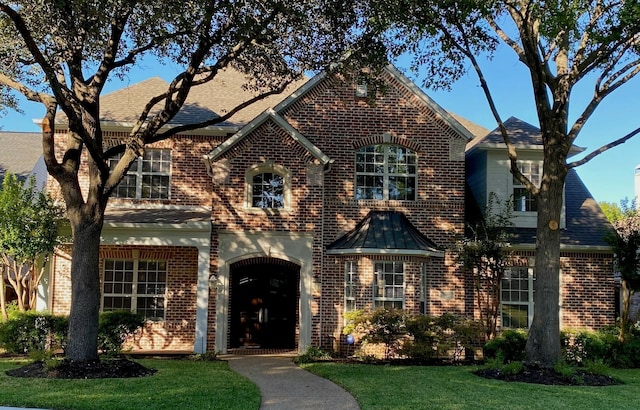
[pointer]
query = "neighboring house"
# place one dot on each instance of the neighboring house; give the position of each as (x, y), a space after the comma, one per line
(324, 203)
(21, 154)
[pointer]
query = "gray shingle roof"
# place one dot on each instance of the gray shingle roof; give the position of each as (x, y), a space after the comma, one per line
(19, 152)
(384, 231)
(212, 99)
(156, 216)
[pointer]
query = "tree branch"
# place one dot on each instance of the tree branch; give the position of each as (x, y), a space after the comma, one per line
(603, 149)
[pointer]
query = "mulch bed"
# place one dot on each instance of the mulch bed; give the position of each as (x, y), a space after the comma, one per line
(111, 368)
(550, 377)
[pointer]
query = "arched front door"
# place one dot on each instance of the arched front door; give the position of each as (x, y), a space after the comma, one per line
(264, 304)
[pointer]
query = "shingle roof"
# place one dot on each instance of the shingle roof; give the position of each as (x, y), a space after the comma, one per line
(384, 232)
(522, 134)
(586, 223)
(19, 152)
(156, 216)
(206, 101)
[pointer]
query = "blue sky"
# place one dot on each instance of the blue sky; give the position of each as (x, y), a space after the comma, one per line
(609, 177)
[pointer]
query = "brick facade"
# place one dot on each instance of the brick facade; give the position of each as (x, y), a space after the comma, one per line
(320, 207)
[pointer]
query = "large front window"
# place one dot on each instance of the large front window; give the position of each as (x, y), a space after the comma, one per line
(516, 293)
(148, 178)
(135, 285)
(523, 201)
(386, 172)
(389, 285)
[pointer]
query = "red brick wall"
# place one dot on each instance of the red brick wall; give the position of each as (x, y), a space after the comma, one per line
(190, 184)
(587, 290)
(339, 123)
(177, 331)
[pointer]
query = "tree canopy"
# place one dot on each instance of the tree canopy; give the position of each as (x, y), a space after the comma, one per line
(61, 53)
(29, 222)
(561, 44)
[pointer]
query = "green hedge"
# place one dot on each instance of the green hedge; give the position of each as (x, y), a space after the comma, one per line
(32, 332)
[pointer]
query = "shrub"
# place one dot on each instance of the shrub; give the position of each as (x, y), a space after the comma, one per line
(313, 354)
(114, 328)
(385, 326)
(32, 332)
(509, 346)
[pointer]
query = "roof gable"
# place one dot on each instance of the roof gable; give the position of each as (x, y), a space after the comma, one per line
(254, 124)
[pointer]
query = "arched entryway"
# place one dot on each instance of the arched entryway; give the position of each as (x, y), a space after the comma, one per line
(264, 304)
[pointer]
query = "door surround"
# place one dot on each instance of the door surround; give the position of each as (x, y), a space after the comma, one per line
(290, 246)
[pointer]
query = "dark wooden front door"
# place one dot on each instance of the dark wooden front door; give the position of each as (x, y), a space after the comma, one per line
(263, 306)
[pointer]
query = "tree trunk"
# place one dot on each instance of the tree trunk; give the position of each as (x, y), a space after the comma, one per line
(625, 311)
(85, 290)
(3, 294)
(543, 344)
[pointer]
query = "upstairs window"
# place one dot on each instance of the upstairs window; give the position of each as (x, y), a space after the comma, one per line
(386, 172)
(523, 201)
(267, 190)
(148, 178)
(268, 187)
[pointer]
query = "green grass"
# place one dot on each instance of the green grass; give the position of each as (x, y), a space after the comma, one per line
(456, 387)
(178, 384)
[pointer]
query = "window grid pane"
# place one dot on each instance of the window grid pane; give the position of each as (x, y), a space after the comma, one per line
(267, 190)
(389, 285)
(516, 298)
(148, 178)
(138, 286)
(386, 172)
(523, 201)
(350, 277)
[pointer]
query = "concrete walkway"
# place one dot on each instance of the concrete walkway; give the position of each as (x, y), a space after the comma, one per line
(285, 386)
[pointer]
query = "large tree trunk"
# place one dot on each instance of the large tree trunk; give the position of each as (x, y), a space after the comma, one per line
(85, 290)
(543, 344)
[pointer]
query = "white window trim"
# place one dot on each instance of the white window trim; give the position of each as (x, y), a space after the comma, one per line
(134, 287)
(350, 271)
(378, 301)
(268, 166)
(139, 174)
(386, 174)
(516, 184)
(530, 303)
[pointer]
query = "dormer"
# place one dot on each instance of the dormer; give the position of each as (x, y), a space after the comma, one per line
(488, 169)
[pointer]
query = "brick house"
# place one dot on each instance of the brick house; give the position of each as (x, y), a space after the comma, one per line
(262, 231)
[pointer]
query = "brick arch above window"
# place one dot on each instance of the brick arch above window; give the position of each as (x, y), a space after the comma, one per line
(268, 187)
(387, 138)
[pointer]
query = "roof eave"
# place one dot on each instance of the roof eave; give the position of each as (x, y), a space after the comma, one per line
(378, 251)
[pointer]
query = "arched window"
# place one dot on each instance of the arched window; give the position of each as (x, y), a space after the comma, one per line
(386, 171)
(268, 187)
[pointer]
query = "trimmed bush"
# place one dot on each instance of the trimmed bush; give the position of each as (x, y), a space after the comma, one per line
(34, 333)
(31, 332)
(509, 346)
(114, 328)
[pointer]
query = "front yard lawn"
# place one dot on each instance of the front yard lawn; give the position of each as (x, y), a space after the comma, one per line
(456, 387)
(178, 384)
